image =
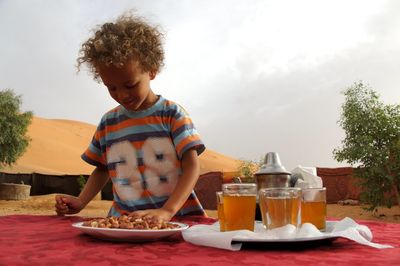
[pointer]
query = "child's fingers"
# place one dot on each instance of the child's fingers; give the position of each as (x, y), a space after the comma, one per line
(61, 210)
(147, 215)
(60, 199)
(61, 207)
(60, 204)
(138, 214)
(135, 214)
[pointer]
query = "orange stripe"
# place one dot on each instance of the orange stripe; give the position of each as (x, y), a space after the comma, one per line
(178, 123)
(146, 193)
(132, 122)
(112, 173)
(137, 144)
(141, 168)
(100, 134)
(94, 156)
(186, 141)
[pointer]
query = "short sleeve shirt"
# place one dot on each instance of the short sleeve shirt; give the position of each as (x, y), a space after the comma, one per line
(142, 152)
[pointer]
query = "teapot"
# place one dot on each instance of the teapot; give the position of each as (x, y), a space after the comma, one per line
(272, 173)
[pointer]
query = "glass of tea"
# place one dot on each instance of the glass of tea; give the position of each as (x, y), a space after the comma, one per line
(280, 206)
(220, 211)
(239, 205)
(313, 207)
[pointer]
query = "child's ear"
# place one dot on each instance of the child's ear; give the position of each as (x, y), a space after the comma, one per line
(152, 74)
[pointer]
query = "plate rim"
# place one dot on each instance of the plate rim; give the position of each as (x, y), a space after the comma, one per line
(182, 226)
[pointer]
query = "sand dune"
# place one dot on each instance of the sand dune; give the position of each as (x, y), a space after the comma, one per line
(57, 144)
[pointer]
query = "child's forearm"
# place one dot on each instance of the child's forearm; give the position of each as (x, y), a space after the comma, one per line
(94, 184)
(186, 182)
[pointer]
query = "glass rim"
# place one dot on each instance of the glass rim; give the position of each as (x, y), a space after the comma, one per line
(239, 188)
(314, 188)
(245, 185)
(280, 189)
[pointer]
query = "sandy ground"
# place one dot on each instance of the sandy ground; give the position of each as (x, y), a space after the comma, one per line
(44, 205)
(56, 147)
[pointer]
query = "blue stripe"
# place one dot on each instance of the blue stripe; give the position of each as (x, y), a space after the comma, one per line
(113, 212)
(185, 134)
(194, 210)
(95, 143)
(183, 128)
(90, 161)
(185, 212)
(121, 180)
(94, 149)
(143, 203)
(197, 144)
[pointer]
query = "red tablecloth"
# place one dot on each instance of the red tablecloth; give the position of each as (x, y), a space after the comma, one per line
(50, 240)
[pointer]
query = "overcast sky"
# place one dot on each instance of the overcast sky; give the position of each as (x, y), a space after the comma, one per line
(256, 76)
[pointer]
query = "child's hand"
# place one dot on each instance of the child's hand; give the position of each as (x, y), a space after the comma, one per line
(159, 215)
(66, 204)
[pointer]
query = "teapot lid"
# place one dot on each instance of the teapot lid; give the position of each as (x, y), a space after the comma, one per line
(272, 165)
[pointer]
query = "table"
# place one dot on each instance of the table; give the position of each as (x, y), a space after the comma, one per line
(50, 240)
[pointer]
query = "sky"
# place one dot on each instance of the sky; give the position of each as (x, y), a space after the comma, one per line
(255, 76)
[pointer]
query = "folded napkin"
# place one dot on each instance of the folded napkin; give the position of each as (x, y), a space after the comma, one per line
(209, 235)
(306, 177)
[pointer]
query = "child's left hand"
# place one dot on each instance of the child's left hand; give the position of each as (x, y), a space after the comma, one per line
(159, 215)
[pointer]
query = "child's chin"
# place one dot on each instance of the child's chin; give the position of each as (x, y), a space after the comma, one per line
(132, 107)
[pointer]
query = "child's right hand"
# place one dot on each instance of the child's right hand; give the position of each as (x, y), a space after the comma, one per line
(66, 204)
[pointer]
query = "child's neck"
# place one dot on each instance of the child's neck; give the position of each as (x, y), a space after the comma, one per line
(151, 99)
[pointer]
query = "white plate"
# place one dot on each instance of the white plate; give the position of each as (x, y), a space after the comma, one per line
(329, 228)
(132, 235)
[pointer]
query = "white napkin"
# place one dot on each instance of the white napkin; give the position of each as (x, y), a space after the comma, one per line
(306, 177)
(209, 235)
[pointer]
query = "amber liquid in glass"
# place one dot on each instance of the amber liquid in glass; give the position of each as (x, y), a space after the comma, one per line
(221, 217)
(278, 212)
(239, 212)
(314, 212)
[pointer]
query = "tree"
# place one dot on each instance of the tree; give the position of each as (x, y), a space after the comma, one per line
(372, 142)
(246, 170)
(13, 127)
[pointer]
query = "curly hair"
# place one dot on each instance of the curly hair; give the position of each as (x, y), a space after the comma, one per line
(129, 37)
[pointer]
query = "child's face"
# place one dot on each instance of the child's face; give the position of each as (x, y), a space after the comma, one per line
(128, 85)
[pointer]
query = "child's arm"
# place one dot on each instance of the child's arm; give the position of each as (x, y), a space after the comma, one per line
(186, 182)
(66, 204)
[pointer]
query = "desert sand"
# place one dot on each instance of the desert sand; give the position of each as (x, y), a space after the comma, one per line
(56, 146)
(44, 205)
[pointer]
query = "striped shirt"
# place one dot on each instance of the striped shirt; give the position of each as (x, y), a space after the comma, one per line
(142, 152)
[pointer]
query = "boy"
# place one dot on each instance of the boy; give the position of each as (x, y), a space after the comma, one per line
(147, 145)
